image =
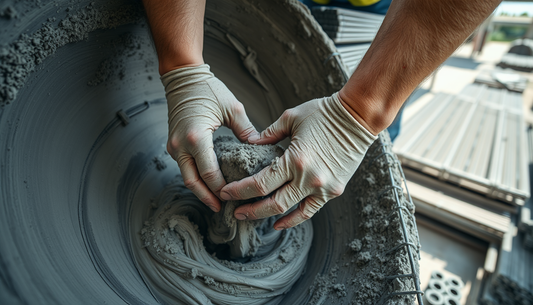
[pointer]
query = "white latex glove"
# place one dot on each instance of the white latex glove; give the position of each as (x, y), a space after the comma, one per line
(198, 104)
(327, 146)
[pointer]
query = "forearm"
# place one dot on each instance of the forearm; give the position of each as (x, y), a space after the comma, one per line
(415, 38)
(178, 29)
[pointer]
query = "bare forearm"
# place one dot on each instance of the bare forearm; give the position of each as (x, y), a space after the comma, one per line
(177, 29)
(415, 38)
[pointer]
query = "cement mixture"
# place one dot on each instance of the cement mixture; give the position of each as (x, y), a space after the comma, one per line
(179, 265)
(84, 127)
(238, 161)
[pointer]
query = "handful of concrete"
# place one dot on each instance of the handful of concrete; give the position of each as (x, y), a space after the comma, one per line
(237, 161)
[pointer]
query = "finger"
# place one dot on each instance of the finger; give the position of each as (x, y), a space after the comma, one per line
(261, 184)
(305, 210)
(279, 203)
(240, 123)
(276, 132)
(192, 181)
(207, 164)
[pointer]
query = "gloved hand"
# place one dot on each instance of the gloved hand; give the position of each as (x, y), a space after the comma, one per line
(198, 104)
(327, 146)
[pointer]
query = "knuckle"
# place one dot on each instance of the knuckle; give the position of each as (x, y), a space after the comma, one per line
(253, 211)
(318, 181)
(238, 108)
(184, 160)
(313, 206)
(279, 208)
(210, 175)
(267, 133)
(283, 201)
(212, 179)
(191, 183)
(300, 163)
(206, 200)
(260, 186)
(247, 130)
(234, 193)
(287, 114)
(337, 190)
(193, 137)
(172, 145)
(306, 212)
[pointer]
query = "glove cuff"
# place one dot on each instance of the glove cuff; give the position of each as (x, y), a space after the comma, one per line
(178, 78)
(349, 122)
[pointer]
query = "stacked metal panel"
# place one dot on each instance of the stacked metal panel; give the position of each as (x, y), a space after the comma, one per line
(512, 281)
(347, 26)
(352, 31)
(352, 54)
(476, 139)
(459, 208)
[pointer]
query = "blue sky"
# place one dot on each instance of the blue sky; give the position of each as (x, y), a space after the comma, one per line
(515, 8)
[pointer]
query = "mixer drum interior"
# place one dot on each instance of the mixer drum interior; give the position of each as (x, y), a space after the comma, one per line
(85, 145)
(72, 168)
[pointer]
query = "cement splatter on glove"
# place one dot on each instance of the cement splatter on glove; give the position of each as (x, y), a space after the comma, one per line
(327, 146)
(198, 104)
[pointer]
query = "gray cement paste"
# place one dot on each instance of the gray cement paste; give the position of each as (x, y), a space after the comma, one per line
(175, 239)
(238, 161)
(75, 178)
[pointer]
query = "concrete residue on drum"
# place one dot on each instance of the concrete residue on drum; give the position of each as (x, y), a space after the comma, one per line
(373, 257)
(21, 57)
(125, 46)
(184, 265)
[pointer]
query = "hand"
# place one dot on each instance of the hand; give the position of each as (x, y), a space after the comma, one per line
(327, 146)
(199, 103)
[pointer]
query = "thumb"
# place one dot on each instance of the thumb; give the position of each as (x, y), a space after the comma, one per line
(276, 132)
(240, 124)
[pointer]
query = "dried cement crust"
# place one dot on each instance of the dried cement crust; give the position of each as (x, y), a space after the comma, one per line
(365, 270)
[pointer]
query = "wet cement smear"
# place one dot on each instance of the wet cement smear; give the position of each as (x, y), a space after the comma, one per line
(84, 127)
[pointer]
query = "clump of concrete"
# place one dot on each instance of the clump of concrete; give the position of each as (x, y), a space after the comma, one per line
(240, 160)
(237, 161)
